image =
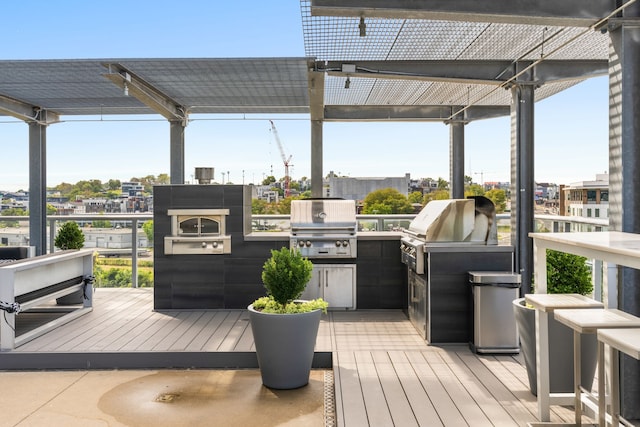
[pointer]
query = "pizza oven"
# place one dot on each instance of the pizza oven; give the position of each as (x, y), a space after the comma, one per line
(198, 231)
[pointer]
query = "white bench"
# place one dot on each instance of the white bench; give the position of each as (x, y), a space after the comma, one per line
(34, 281)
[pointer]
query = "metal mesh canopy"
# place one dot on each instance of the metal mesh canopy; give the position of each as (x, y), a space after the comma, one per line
(78, 87)
(280, 85)
(330, 38)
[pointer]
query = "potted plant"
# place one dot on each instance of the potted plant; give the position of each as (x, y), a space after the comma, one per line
(70, 236)
(566, 274)
(285, 328)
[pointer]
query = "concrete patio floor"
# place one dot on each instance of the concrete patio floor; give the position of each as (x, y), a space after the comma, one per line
(156, 398)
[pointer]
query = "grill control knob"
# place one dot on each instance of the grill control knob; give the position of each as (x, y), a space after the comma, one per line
(308, 243)
(338, 243)
(412, 251)
(215, 244)
(300, 243)
(345, 243)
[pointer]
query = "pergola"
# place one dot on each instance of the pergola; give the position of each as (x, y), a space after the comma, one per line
(446, 50)
(375, 60)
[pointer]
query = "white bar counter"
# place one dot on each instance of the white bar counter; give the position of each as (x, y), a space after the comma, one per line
(610, 246)
(614, 247)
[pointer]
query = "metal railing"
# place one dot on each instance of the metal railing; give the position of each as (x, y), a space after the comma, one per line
(124, 221)
(281, 223)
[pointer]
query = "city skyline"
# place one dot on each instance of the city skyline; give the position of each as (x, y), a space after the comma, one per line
(571, 129)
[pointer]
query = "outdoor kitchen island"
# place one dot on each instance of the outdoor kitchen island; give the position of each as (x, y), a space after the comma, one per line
(445, 241)
(207, 257)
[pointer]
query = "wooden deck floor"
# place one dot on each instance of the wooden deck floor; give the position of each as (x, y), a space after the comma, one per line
(384, 373)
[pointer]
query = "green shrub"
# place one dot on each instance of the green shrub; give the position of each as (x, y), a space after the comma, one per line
(120, 277)
(145, 279)
(269, 305)
(69, 236)
(123, 262)
(568, 274)
(285, 275)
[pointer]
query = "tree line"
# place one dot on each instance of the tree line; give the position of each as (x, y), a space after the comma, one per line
(388, 201)
(111, 189)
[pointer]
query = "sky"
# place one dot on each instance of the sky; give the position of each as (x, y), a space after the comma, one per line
(571, 128)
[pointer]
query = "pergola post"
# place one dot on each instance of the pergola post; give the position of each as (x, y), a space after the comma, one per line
(522, 176)
(38, 186)
(624, 174)
(315, 81)
(456, 157)
(177, 151)
(316, 158)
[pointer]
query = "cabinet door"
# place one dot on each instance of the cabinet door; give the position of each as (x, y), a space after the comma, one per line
(314, 287)
(338, 285)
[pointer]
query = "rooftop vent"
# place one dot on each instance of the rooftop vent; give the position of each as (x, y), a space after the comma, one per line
(204, 175)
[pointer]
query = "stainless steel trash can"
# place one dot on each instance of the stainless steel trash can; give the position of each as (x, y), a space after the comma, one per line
(494, 325)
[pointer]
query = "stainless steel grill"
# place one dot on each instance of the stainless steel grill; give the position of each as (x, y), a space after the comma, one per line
(458, 221)
(324, 228)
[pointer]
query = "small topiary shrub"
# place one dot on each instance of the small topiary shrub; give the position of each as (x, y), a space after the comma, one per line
(69, 236)
(285, 276)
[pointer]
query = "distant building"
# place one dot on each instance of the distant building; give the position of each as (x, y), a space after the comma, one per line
(94, 205)
(99, 238)
(587, 199)
(358, 188)
(266, 193)
(14, 236)
(496, 185)
(131, 189)
(10, 204)
(423, 185)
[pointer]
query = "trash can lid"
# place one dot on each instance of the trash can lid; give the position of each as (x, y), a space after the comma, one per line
(494, 277)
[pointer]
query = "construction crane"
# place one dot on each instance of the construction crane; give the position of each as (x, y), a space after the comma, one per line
(285, 160)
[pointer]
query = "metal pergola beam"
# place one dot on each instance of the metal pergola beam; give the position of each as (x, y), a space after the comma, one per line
(570, 13)
(408, 113)
(488, 72)
(26, 112)
(146, 93)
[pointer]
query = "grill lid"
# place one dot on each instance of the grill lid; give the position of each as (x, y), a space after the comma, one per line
(323, 215)
(456, 220)
(444, 221)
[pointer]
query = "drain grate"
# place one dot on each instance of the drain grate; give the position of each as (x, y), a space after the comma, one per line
(167, 397)
(329, 400)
